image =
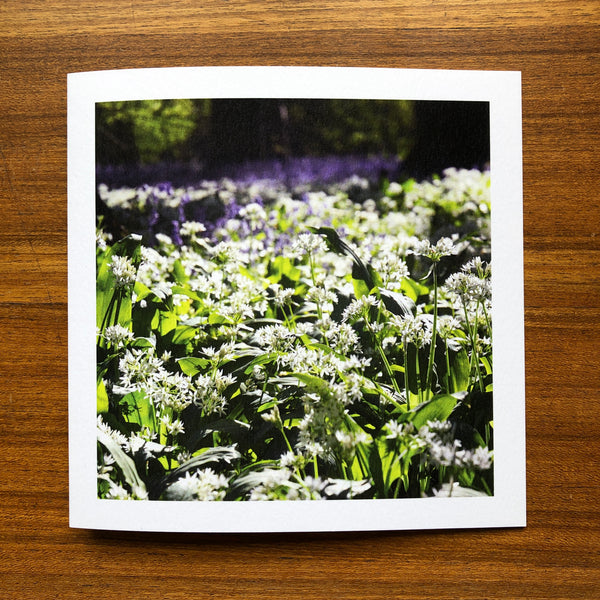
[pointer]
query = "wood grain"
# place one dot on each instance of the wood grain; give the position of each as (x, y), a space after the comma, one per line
(555, 45)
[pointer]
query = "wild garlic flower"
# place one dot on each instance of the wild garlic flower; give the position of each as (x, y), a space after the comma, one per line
(324, 415)
(289, 459)
(468, 287)
(443, 449)
(273, 416)
(392, 269)
(274, 338)
(308, 243)
(283, 296)
(349, 440)
(417, 329)
(209, 393)
(344, 339)
(397, 430)
(204, 485)
(274, 485)
(321, 296)
(102, 239)
(443, 247)
(173, 427)
(117, 436)
(447, 325)
(164, 240)
(191, 229)
(359, 307)
(154, 267)
(140, 445)
(224, 353)
(255, 215)
(482, 269)
(117, 492)
(123, 270)
(117, 335)
(228, 253)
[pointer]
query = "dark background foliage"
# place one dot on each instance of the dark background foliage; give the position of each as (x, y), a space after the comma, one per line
(427, 136)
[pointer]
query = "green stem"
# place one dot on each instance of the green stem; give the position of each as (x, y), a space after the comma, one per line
(487, 320)
(475, 339)
(448, 390)
(290, 325)
(475, 353)
(287, 442)
(419, 382)
(386, 363)
(108, 312)
(434, 333)
(406, 377)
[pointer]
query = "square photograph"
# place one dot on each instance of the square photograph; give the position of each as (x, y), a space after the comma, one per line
(291, 317)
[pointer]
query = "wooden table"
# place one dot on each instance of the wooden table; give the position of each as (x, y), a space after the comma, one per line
(556, 46)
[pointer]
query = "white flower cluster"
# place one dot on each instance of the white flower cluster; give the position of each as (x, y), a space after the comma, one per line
(117, 335)
(468, 287)
(254, 214)
(280, 484)
(414, 329)
(191, 229)
(123, 270)
(141, 371)
(202, 484)
(358, 307)
(307, 243)
(434, 252)
(323, 430)
(445, 450)
(275, 338)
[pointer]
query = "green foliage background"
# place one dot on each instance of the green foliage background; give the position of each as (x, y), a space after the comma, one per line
(147, 131)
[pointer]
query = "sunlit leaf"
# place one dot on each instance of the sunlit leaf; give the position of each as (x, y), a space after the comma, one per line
(439, 408)
(125, 463)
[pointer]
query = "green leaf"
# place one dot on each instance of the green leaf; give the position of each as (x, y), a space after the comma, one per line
(438, 408)
(263, 359)
(397, 304)
(179, 273)
(106, 292)
(166, 321)
(185, 291)
(376, 469)
(192, 366)
(485, 361)
(413, 289)
(282, 267)
(101, 398)
(139, 409)
(360, 288)
(313, 383)
(218, 454)
(460, 370)
(252, 479)
(217, 319)
(125, 463)
(235, 429)
(183, 334)
(141, 291)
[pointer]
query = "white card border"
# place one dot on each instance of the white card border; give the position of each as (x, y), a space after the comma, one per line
(502, 89)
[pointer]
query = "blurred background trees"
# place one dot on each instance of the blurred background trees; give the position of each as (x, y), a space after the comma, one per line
(427, 136)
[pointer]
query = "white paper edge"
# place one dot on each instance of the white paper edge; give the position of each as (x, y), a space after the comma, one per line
(507, 508)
